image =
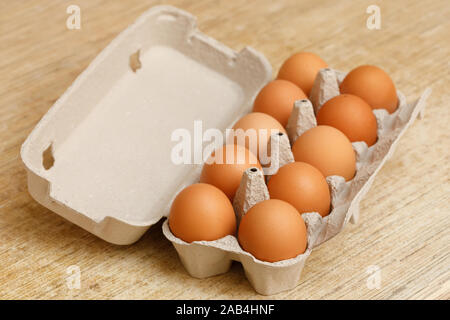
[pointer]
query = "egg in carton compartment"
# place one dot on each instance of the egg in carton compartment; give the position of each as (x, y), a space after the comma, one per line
(208, 258)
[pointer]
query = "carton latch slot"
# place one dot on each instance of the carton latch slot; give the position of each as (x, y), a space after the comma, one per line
(47, 157)
(135, 62)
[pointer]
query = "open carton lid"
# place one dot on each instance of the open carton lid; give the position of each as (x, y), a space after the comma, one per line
(102, 155)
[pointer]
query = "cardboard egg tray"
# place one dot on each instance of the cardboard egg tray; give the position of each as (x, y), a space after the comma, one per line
(207, 258)
(101, 156)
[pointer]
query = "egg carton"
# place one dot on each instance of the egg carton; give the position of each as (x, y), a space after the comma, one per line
(100, 157)
(208, 258)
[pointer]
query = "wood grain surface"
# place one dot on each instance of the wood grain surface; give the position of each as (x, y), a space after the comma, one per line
(405, 218)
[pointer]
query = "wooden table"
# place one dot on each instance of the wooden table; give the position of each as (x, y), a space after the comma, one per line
(405, 221)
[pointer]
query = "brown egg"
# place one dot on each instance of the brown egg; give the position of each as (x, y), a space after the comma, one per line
(351, 115)
(373, 85)
(301, 69)
(303, 186)
(273, 230)
(327, 149)
(202, 212)
(277, 99)
(256, 140)
(225, 172)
